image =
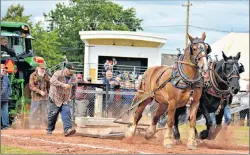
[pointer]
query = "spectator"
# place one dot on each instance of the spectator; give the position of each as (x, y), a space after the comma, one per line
(245, 113)
(5, 94)
(110, 84)
(62, 91)
(82, 101)
(4, 43)
(106, 65)
(127, 99)
(39, 86)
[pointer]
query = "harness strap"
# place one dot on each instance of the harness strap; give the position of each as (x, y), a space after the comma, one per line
(214, 83)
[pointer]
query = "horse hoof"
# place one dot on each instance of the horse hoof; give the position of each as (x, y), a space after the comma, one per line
(178, 141)
(168, 146)
(149, 136)
(191, 147)
(204, 134)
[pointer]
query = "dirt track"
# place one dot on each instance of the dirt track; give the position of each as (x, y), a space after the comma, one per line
(77, 144)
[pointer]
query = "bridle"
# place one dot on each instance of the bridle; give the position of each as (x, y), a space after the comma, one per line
(235, 72)
(199, 55)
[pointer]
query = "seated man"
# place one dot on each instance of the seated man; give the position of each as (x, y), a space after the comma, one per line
(4, 47)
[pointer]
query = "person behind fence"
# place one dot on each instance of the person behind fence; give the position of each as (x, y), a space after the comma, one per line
(62, 92)
(5, 94)
(39, 86)
(245, 113)
(81, 98)
(127, 98)
(110, 84)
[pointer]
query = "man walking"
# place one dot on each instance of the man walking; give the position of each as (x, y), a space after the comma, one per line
(39, 86)
(5, 94)
(62, 91)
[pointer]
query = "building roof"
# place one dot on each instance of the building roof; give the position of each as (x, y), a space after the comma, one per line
(85, 35)
(231, 44)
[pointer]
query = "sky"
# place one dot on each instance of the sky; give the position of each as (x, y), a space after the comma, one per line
(168, 17)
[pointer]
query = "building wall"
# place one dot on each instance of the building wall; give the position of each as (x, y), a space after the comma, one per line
(153, 55)
(168, 59)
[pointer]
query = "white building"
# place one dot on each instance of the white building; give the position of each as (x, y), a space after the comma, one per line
(128, 48)
(231, 44)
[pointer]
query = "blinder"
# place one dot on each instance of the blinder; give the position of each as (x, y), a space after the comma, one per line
(241, 68)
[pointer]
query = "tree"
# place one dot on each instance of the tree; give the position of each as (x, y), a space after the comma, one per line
(46, 45)
(15, 14)
(89, 15)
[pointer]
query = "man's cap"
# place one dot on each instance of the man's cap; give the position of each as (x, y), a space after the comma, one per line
(42, 65)
(70, 66)
(3, 66)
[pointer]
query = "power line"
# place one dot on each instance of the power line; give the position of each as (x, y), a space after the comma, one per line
(198, 27)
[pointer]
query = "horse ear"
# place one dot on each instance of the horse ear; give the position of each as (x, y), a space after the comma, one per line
(238, 56)
(203, 36)
(190, 38)
(224, 56)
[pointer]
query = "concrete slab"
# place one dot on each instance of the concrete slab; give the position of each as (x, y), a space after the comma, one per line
(95, 121)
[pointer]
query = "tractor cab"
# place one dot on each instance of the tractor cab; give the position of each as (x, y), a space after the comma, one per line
(18, 56)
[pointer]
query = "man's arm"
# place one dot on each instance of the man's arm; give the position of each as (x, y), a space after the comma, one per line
(54, 79)
(9, 51)
(32, 84)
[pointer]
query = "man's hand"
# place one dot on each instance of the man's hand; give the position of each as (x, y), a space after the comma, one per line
(66, 85)
(42, 93)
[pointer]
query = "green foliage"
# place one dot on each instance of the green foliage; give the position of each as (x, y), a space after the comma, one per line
(15, 14)
(89, 15)
(46, 45)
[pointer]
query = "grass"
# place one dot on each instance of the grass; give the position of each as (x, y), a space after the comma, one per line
(15, 150)
(240, 134)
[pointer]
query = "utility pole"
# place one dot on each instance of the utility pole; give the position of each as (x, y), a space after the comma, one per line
(187, 20)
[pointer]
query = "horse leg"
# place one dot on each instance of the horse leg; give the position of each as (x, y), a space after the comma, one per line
(207, 132)
(138, 115)
(218, 123)
(168, 138)
(179, 111)
(152, 129)
(192, 143)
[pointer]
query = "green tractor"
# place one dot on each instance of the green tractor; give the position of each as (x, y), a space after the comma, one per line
(19, 58)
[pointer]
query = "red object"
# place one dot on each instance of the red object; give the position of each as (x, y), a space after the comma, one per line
(39, 60)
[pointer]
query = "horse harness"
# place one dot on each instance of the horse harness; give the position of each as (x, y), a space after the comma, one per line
(178, 78)
(212, 86)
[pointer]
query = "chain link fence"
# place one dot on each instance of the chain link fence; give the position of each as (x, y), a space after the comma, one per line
(112, 103)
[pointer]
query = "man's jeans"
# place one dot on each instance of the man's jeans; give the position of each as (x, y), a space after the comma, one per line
(213, 118)
(53, 114)
(4, 114)
(227, 115)
(38, 113)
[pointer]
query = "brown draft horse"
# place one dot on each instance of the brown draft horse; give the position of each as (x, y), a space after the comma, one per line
(169, 97)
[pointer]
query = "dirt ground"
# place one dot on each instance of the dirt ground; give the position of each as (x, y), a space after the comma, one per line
(34, 139)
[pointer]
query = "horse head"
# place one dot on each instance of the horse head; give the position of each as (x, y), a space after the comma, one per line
(198, 51)
(230, 71)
